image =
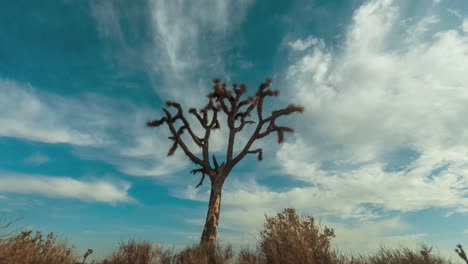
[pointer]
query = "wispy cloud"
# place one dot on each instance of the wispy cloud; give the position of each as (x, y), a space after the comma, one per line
(421, 27)
(65, 187)
(455, 12)
(89, 124)
(107, 18)
(26, 115)
(190, 38)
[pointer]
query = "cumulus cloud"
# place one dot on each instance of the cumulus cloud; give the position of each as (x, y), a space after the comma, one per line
(376, 97)
(65, 187)
(373, 99)
(301, 45)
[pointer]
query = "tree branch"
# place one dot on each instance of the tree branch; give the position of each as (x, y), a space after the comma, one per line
(200, 119)
(259, 151)
(260, 95)
(156, 122)
(202, 177)
(177, 138)
(242, 124)
(273, 128)
(181, 116)
(215, 162)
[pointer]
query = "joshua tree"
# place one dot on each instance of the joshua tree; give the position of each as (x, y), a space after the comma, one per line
(237, 113)
(461, 253)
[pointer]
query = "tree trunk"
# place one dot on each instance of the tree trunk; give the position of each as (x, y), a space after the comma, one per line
(212, 216)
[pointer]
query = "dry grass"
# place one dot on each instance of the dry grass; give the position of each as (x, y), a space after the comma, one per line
(140, 253)
(35, 249)
(200, 255)
(285, 238)
(146, 253)
(206, 254)
(397, 256)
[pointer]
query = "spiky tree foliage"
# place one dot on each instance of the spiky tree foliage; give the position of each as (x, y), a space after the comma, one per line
(238, 111)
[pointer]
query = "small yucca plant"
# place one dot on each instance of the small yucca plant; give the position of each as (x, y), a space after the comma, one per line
(461, 253)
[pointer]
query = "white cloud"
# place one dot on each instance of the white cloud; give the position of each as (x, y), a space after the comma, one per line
(391, 233)
(421, 27)
(455, 12)
(190, 38)
(25, 115)
(65, 187)
(301, 45)
(107, 18)
(465, 26)
(374, 99)
(89, 124)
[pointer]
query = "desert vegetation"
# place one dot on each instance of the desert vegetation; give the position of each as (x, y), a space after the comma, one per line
(285, 238)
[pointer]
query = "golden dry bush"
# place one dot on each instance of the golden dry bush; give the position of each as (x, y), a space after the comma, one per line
(206, 253)
(423, 255)
(287, 238)
(246, 256)
(29, 248)
(144, 252)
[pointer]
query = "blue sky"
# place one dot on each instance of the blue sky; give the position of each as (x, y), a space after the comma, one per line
(380, 153)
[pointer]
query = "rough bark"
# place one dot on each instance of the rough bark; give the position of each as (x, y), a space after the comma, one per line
(212, 216)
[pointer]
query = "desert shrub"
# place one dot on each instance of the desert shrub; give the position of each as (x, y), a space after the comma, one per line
(26, 248)
(206, 253)
(144, 252)
(288, 238)
(246, 256)
(384, 255)
(405, 255)
(134, 252)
